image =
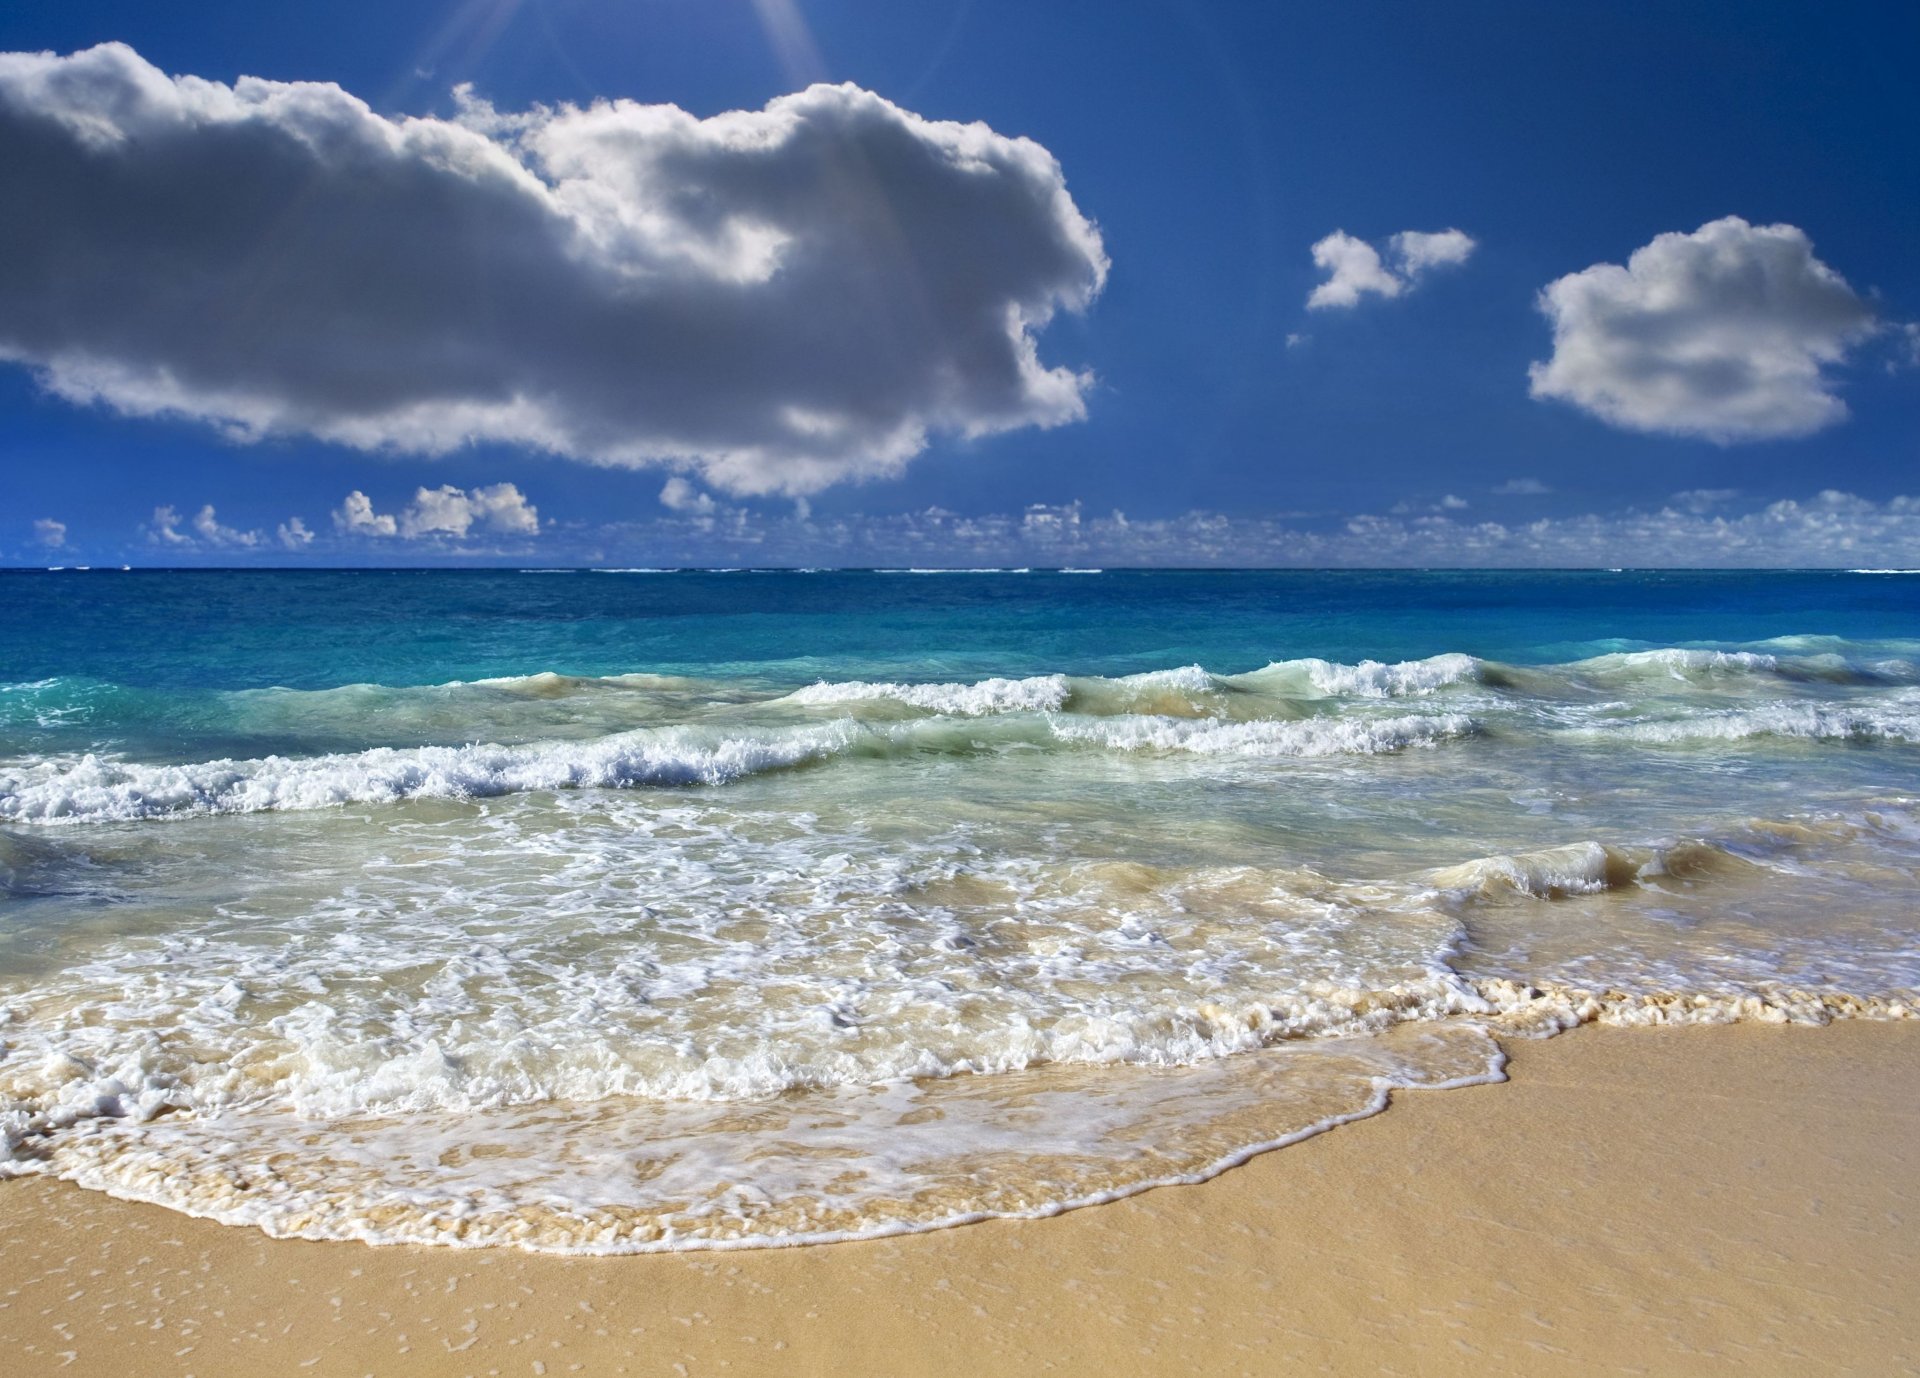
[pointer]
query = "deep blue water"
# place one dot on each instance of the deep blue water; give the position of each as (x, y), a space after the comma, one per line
(314, 629)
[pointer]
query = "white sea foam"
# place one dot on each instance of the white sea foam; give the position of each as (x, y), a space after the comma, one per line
(1322, 736)
(1895, 720)
(1042, 693)
(94, 788)
(853, 1163)
(1371, 679)
(1185, 679)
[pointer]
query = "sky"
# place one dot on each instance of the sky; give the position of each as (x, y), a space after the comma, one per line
(789, 282)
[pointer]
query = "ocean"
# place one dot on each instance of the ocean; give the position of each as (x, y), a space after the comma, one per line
(627, 910)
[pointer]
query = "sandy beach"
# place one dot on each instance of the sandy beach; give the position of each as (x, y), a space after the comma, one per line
(1682, 1201)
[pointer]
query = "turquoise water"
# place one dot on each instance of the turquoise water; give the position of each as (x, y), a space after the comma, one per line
(619, 911)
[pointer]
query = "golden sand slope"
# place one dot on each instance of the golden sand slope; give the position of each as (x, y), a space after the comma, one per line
(1685, 1201)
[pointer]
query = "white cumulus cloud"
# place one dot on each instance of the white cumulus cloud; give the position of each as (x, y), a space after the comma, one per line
(1725, 333)
(445, 511)
(1355, 268)
(209, 529)
(779, 299)
(49, 533)
(355, 517)
(293, 534)
(164, 528)
(204, 531)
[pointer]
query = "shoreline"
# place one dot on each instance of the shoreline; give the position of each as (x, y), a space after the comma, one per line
(1669, 1200)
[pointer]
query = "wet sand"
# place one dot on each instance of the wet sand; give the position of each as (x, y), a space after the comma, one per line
(1672, 1201)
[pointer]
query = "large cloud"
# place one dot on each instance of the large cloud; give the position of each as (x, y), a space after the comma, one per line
(1723, 333)
(781, 298)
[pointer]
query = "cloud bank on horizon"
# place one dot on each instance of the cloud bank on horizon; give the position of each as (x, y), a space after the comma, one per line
(778, 299)
(1691, 528)
(1725, 334)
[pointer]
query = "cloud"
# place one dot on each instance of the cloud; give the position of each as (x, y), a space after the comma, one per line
(1521, 488)
(1724, 333)
(1417, 251)
(677, 495)
(207, 526)
(1909, 338)
(448, 511)
(1829, 529)
(780, 299)
(1354, 267)
(445, 511)
(293, 534)
(355, 517)
(163, 529)
(49, 533)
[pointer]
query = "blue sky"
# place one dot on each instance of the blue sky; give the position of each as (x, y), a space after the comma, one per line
(1742, 394)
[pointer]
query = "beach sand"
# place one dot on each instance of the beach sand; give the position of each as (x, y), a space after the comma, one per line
(1672, 1201)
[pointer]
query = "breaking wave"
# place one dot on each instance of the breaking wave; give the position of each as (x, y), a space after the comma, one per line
(97, 789)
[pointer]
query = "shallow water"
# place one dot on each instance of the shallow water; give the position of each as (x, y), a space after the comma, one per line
(623, 912)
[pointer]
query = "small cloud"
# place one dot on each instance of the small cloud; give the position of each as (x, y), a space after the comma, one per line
(678, 495)
(1355, 268)
(1416, 252)
(1725, 333)
(49, 533)
(1908, 355)
(1295, 339)
(293, 534)
(1450, 503)
(1521, 488)
(209, 529)
(356, 517)
(164, 528)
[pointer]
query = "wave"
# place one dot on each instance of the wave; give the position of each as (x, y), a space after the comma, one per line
(66, 743)
(1041, 693)
(1324, 736)
(1582, 868)
(93, 789)
(1370, 679)
(1895, 721)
